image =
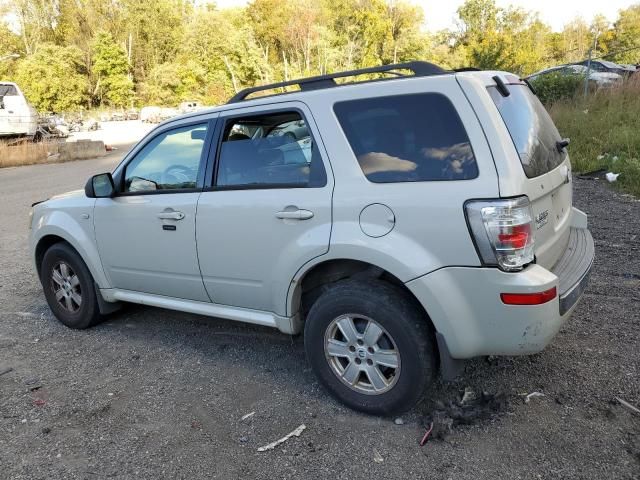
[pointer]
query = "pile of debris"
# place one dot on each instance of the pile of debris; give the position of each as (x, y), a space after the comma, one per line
(469, 409)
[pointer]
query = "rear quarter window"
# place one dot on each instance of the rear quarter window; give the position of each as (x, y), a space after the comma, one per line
(407, 138)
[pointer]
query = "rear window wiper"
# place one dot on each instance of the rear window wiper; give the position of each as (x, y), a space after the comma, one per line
(562, 144)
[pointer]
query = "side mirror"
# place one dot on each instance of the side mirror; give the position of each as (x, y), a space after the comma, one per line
(100, 186)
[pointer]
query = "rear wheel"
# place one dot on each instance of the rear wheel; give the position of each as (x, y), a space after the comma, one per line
(371, 346)
(68, 287)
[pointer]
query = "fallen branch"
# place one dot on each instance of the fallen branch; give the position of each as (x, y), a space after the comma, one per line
(628, 405)
(295, 433)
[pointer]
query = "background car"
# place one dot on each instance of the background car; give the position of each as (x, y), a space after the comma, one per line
(606, 66)
(601, 79)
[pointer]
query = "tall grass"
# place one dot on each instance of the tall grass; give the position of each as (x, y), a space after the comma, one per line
(27, 153)
(604, 129)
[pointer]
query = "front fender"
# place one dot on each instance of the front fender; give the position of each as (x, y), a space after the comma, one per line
(74, 226)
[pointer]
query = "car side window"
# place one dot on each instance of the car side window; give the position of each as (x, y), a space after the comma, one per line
(407, 138)
(170, 161)
(269, 151)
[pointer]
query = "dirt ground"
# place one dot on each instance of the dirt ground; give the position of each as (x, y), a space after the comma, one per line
(152, 393)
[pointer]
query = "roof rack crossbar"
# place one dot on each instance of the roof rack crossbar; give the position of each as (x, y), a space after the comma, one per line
(419, 69)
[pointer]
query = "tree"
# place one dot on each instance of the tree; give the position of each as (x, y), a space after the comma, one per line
(54, 78)
(626, 36)
(495, 38)
(9, 45)
(110, 68)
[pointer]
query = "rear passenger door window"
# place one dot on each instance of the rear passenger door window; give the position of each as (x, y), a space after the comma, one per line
(272, 150)
(407, 138)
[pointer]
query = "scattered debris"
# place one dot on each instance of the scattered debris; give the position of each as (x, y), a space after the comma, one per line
(592, 175)
(46, 430)
(247, 416)
(377, 457)
(6, 370)
(196, 425)
(475, 408)
(296, 433)
(468, 396)
(398, 421)
(627, 405)
(426, 435)
(528, 398)
(612, 177)
(615, 158)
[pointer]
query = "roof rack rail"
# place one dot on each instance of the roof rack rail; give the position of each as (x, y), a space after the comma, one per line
(419, 69)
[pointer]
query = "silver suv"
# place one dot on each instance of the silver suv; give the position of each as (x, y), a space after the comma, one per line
(403, 224)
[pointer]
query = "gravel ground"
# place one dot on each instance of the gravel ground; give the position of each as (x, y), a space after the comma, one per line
(154, 394)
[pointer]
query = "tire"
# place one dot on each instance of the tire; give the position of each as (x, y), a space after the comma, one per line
(405, 339)
(63, 297)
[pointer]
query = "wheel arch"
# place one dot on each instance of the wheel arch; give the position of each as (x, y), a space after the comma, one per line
(311, 282)
(79, 242)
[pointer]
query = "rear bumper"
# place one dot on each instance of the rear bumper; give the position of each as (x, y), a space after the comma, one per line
(465, 306)
(574, 267)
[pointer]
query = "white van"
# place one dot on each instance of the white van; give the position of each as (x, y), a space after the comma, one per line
(17, 117)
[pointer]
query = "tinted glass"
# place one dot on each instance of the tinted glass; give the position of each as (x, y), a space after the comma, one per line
(269, 150)
(531, 129)
(407, 138)
(168, 162)
(8, 90)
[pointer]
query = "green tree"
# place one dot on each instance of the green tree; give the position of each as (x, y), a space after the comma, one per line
(110, 68)
(54, 78)
(626, 35)
(9, 45)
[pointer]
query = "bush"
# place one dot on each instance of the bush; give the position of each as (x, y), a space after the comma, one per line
(553, 87)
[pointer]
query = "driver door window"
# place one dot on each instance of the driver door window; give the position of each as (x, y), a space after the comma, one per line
(171, 161)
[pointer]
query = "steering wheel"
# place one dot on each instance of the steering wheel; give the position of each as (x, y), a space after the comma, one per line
(176, 174)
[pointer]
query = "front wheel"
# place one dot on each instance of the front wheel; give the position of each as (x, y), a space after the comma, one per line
(68, 287)
(371, 346)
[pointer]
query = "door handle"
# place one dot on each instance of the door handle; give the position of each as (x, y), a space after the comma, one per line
(295, 214)
(171, 215)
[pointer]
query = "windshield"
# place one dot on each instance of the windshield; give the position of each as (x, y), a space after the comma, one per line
(531, 128)
(7, 90)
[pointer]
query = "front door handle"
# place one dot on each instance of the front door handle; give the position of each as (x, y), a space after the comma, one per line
(295, 214)
(171, 215)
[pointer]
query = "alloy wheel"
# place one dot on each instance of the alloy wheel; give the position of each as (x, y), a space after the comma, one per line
(362, 354)
(66, 287)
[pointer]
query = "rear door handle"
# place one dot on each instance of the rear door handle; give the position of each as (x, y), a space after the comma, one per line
(295, 214)
(171, 215)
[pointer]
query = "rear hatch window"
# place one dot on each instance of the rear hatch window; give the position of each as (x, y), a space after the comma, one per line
(531, 128)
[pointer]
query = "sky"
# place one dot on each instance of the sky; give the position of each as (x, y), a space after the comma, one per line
(440, 14)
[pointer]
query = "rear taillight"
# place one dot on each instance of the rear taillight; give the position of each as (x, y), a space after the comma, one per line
(503, 231)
